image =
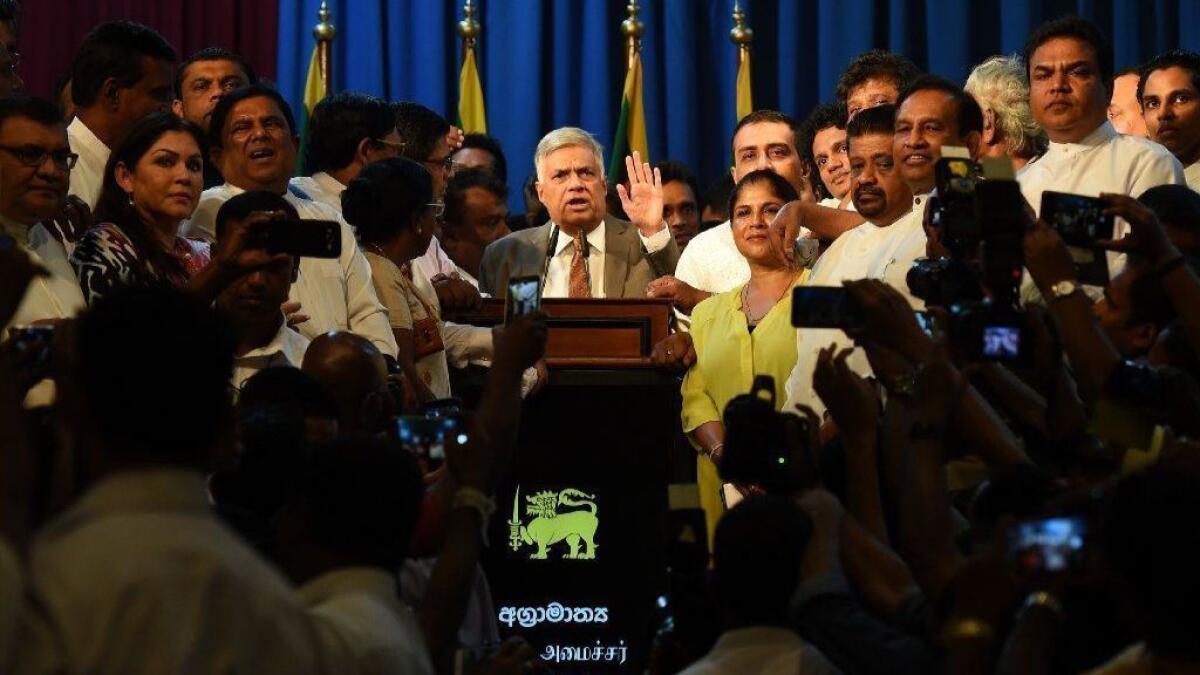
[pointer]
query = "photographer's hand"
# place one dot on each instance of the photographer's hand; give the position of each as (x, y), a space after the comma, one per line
(891, 321)
(1147, 238)
(240, 252)
(1047, 258)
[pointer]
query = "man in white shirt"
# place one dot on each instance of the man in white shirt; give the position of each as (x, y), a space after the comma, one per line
(254, 145)
(35, 162)
(583, 252)
(342, 538)
(757, 556)
(121, 73)
(1170, 95)
(1069, 62)
(138, 575)
(764, 139)
(252, 302)
(867, 251)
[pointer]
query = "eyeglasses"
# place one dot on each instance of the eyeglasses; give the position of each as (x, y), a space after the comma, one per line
(438, 208)
(398, 147)
(33, 156)
(447, 164)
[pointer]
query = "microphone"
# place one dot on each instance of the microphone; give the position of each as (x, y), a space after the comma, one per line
(549, 256)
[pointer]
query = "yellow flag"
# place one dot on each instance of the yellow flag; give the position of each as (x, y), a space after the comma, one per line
(314, 86)
(631, 127)
(745, 101)
(471, 114)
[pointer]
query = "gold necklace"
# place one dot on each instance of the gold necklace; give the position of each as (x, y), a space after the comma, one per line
(752, 320)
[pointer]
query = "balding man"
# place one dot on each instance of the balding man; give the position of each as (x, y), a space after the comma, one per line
(583, 252)
(355, 374)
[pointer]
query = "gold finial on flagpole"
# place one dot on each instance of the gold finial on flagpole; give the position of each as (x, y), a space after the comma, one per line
(741, 34)
(468, 28)
(632, 29)
(324, 33)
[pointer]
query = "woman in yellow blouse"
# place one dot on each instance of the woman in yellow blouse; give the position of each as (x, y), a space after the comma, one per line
(742, 333)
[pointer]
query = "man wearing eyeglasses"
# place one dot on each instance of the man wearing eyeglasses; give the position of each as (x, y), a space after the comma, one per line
(35, 164)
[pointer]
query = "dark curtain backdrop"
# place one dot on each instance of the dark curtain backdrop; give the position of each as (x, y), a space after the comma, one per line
(51, 30)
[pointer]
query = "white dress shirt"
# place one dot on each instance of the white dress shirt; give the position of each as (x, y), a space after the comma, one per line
(336, 293)
(558, 277)
(1191, 175)
(1104, 161)
(763, 651)
(51, 297)
(711, 261)
(361, 605)
(865, 252)
(322, 187)
(139, 576)
(87, 176)
(284, 350)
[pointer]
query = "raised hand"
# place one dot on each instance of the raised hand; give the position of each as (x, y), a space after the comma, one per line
(851, 400)
(1147, 238)
(643, 201)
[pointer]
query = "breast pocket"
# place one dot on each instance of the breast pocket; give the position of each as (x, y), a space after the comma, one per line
(321, 290)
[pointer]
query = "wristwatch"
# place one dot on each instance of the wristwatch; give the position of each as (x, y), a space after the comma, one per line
(1062, 289)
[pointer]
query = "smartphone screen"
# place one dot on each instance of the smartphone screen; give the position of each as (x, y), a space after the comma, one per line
(1079, 220)
(1048, 544)
(524, 297)
(926, 321)
(825, 307)
(304, 238)
(427, 436)
(443, 407)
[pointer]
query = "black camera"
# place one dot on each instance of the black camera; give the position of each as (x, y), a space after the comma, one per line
(757, 440)
(942, 282)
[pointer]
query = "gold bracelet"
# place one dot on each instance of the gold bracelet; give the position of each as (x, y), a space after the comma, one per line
(967, 629)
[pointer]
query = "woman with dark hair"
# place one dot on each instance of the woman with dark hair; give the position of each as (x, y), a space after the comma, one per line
(391, 206)
(742, 333)
(152, 184)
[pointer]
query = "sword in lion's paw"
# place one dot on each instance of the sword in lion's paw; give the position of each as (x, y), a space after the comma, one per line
(514, 525)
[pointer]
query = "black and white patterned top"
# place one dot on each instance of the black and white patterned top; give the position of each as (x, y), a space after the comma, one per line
(104, 259)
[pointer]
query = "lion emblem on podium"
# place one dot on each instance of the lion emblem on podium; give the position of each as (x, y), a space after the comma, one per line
(549, 524)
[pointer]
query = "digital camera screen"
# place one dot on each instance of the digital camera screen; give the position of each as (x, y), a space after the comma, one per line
(1050, 544)
(1001, 342)
(426, 436)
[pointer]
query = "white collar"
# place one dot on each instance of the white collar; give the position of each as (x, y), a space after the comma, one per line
(757, 636)
(16, 230)
(328, 183)
(349, 580)
(81, 130)
(1100, 136)
(286, 341)
(595, 238)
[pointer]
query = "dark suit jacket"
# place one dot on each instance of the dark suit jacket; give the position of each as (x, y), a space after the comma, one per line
(627, 268)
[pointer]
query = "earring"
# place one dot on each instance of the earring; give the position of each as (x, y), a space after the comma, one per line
(130, 196)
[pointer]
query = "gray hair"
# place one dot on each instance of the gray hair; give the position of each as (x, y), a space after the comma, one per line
(566, 137)
(1001, 84)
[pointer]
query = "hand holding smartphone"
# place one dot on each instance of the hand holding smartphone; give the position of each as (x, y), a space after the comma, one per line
(524, 297)
(301, 238)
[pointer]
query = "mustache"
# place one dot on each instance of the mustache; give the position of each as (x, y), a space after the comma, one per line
(868, 190)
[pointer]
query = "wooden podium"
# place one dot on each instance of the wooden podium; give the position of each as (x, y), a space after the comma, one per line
(578, 542)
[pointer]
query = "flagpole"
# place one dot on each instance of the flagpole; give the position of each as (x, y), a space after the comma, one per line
(324, 33)
(632, 29)
(742, 35)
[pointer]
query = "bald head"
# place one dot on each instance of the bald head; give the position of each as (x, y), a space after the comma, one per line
(354, 373)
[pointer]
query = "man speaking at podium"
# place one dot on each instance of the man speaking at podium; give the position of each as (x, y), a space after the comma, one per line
(583, 252)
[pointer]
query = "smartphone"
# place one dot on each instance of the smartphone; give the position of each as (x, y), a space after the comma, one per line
(1055, 544)
(32, 347)
(524, 297)
(304, 238)
(443, 407)
(1079, 220)
(826, 307)
(426, 436)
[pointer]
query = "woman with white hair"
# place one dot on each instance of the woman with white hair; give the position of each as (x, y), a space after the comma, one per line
(1001, 88)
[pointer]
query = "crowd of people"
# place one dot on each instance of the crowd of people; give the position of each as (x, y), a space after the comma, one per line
(979, 460)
